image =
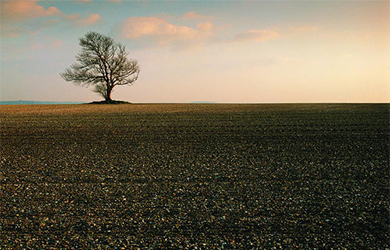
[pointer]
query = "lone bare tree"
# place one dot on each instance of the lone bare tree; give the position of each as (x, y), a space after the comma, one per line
(102, 63)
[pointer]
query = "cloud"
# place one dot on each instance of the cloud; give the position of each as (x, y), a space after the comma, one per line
(90, 20)
(13, 13)
(137, 27)
(161, 32)
(194, 16)
(256, 35)
(21, 10)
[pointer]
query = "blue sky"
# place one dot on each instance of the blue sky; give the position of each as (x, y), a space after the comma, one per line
(223, 51)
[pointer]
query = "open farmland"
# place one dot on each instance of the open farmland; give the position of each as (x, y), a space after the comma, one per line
(308, 176)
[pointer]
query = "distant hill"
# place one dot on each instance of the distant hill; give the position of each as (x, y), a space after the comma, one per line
(34, 102)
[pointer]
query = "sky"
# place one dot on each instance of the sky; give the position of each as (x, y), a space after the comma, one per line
(222, 51)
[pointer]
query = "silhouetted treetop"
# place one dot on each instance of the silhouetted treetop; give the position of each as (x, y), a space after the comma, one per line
(103, 63)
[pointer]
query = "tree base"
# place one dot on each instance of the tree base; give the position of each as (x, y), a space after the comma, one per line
(110, 102)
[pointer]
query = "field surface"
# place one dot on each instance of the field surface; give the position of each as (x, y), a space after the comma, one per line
(199, 176)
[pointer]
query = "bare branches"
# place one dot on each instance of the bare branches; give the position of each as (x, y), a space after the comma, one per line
(101, 89)
(102, 63)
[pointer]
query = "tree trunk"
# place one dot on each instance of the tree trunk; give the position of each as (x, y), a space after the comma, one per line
(108, 96)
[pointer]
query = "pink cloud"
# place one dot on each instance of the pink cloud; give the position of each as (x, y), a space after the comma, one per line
(91, 20)
(20, 10)
(162, 32)
(136, 27)
(256, 35)
(192, 15)
(14, 12)
(206, 27)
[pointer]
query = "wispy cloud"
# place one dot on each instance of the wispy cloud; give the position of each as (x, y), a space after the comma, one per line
(161, 32)
(21, 10)
(192, 15)
(77, 19)
(12, 13)
(91, 20)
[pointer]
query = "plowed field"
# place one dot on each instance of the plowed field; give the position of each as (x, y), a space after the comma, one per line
(207, 176)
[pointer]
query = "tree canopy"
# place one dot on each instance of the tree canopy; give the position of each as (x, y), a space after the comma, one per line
(102, 63)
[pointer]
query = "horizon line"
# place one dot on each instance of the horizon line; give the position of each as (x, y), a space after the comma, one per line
(29, 102)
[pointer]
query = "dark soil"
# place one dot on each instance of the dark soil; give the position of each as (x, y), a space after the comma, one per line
(195, 176)
(110, 102)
